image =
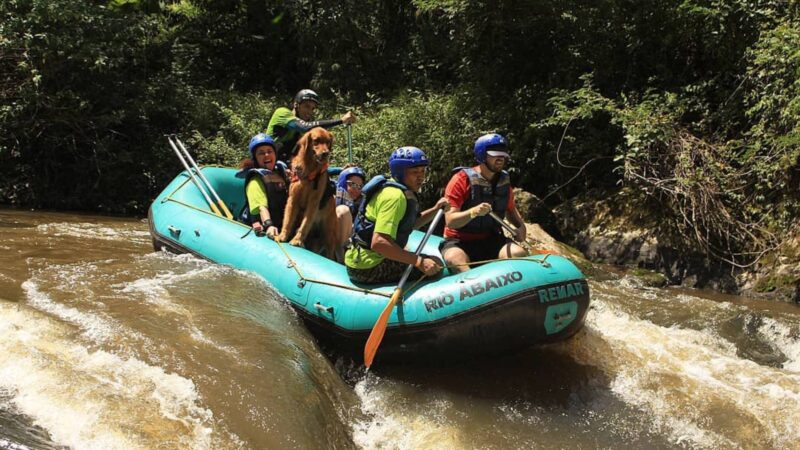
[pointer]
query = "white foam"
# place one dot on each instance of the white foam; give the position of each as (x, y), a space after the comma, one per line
(154, 286)
(199, 336)
(8, 445)
(92, 231)
(94, 327)
(95, 399)
(785, 338)
(155, 293)
(678, 375)
(401, 428)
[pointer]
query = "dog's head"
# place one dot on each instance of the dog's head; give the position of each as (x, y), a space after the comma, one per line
(313, 152)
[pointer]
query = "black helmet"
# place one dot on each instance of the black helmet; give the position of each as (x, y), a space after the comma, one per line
(306, 94)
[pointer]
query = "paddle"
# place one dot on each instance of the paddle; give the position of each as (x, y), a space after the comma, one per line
(205, 180)
(194, 179)
(378, 330)
(349, 143)
(513, 232)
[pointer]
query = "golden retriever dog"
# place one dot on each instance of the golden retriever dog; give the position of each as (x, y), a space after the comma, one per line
(311, 200)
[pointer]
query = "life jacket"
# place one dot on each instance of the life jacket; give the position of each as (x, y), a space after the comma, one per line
(482, 190)
(363, 228)
(277, 193)
(343, 198)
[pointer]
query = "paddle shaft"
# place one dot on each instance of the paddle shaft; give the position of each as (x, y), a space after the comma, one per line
(349, 143)
(194, 179)
(205, 180)
(502, 222)
(422, 243)
(510, 230)
(379, 329)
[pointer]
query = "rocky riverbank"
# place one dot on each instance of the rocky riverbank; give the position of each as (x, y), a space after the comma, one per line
(610, 232)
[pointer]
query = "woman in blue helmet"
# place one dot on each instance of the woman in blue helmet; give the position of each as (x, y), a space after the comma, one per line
(473, 192)
(348, 199)
(388, 215)
(266, 186)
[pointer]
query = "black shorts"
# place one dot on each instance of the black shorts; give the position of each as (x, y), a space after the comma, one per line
(478, 250)
(387, 271)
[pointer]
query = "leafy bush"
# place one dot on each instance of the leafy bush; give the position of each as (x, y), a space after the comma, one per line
(436, 123)
(692, 102)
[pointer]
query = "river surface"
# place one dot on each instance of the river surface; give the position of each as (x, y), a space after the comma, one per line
(106, 344)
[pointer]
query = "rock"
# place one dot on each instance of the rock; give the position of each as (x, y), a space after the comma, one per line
(650, 278)
(533, 211)
(621, 229)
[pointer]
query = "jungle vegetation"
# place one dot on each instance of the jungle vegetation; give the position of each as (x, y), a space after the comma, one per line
(690, 106)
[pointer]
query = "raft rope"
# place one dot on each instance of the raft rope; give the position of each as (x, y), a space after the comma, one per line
(542, 261)
(305, 279)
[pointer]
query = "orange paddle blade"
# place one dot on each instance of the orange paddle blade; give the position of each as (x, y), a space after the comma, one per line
(378, 330)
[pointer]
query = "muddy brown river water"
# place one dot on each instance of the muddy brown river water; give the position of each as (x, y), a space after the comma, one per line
(106, 344)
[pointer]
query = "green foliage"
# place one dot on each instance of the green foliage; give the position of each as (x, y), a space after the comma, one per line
(81, 93)
(223, 123)
(774, 282)
(772, 144)
(436, 123)
(693, 103)
(450, 6)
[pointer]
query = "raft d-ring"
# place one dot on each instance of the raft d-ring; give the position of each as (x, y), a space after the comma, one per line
(544, 261)
(175, 231)
(301, 283)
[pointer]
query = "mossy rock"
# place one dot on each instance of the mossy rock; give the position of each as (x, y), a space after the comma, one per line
(650, 278)
(772, 283)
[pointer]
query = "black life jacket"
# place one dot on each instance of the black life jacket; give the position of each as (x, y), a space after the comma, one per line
(482, 190)
(363, 228)
(277, 193)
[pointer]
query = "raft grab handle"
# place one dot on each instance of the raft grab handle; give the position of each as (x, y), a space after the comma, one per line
(321, 307)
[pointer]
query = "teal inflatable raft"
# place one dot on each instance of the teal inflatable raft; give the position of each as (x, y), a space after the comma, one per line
(497, 307)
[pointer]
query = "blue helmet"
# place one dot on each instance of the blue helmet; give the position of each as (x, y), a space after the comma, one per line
(403, 158)
(260, 139)
(341, 183)
(492, 144)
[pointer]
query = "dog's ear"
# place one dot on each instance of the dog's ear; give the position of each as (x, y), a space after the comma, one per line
(329, 136)
(301, 153)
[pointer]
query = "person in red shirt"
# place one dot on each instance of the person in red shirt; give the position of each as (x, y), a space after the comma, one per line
(473, 192)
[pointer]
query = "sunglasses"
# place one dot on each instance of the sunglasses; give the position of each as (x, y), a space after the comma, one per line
(354, 185)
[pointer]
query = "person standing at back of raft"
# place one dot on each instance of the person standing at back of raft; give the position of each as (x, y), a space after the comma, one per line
(287, 125)
(266, 187)
(388, 215)
(473, 192)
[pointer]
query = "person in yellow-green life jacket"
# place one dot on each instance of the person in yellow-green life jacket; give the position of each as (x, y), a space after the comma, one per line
(287, 125)
(266, 187)
(385, 220)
